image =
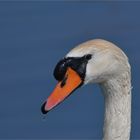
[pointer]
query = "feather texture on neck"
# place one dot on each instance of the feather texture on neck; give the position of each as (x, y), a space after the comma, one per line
(117, 94)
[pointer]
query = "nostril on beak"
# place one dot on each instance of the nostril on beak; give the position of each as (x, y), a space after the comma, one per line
(43, 108)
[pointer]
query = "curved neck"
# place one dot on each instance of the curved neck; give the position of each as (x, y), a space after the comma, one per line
(117, 94)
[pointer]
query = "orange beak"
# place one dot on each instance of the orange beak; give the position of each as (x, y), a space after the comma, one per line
(62, 90)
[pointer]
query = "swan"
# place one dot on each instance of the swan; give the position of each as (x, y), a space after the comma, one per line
(97, 61)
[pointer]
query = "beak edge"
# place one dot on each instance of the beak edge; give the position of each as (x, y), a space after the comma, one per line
(43, 108)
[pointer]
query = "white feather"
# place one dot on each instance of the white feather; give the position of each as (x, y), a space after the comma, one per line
(110, 68)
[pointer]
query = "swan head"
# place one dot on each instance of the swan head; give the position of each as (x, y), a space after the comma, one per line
(94, 61)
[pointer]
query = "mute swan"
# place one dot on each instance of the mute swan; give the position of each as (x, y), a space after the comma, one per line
(97, 61)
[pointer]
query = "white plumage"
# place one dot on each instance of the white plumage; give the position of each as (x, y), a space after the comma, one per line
(110, 68)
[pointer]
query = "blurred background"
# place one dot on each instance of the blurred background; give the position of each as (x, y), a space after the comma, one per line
(33, 37)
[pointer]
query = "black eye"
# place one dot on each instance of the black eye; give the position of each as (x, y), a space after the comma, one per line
(76, 63)
(88, 56)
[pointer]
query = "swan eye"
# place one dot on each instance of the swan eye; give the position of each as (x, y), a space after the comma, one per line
(88, 56)
(76, 63)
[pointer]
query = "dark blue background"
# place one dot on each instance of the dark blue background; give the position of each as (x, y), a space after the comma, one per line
(33, 37)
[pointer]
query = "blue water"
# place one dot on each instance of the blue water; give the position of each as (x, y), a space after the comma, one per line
(33, 37)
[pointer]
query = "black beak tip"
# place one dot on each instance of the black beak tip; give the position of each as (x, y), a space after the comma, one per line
(43, 109)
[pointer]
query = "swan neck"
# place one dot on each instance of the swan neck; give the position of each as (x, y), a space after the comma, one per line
(117, 94)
